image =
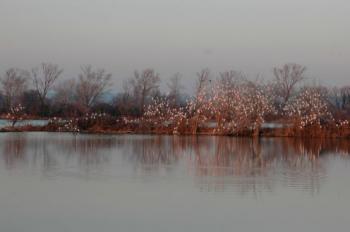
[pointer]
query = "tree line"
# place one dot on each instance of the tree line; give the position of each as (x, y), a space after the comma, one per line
(231, 99)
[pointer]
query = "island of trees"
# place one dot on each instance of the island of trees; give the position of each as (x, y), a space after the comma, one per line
(227, 103)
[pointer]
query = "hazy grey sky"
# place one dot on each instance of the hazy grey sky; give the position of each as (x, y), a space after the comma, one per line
(178, 36)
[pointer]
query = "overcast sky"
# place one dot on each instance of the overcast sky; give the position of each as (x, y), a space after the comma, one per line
(178, 36)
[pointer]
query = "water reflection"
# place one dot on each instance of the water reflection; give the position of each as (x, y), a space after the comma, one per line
(50, 153)
(242, 165)
(14, 146)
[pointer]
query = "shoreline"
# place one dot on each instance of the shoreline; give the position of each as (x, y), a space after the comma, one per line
(313, 132)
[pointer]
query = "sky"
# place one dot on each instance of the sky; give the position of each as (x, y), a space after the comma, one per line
(251, 36)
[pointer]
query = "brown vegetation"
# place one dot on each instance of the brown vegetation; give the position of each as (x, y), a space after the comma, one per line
(230, 104)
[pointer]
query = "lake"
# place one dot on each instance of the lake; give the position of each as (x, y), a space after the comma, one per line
(63, 182)
(39, 122)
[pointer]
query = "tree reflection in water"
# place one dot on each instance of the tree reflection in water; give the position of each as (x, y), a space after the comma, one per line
(50, 154)
(14, 146)
(242, 165)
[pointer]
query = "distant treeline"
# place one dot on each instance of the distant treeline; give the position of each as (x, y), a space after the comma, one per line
(230, 100)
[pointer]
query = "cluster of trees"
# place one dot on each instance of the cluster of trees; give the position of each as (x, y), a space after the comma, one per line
(43, 92)
(235, 102)
(238, 104)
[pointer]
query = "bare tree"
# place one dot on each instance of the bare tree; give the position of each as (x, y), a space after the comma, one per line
(198, 107)
(144, 84)
(203, 80)
(335, 97)
(44, 78)
(340, 97)
(345, 96)
(91, 85)
(286, 78)
(175, 88)
(14, 83)
(125, 102)
(65, 92)
(230, 79)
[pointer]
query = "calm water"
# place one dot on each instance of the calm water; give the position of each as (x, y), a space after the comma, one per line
(61, 182)
(5, 123)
